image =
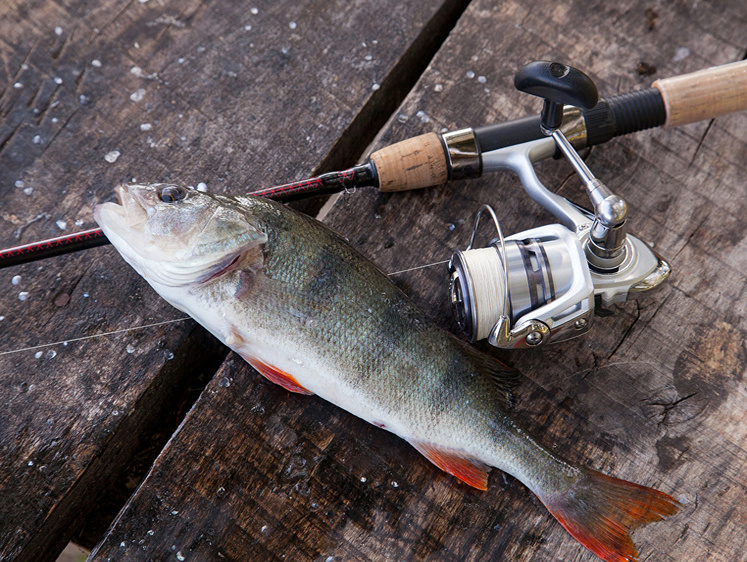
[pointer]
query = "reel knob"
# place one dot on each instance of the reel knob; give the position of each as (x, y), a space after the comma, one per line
(558, 84)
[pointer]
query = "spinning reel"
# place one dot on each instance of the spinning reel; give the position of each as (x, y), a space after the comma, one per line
(543, 284)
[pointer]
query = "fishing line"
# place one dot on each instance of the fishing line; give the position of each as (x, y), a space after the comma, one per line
(155, 324)
(418, 267)
(32, 348)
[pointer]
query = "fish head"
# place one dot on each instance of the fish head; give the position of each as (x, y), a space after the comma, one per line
(177, 236)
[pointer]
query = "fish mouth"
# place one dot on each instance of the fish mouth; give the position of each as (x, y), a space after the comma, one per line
(130, 212)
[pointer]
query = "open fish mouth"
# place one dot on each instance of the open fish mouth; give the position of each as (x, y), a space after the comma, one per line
(127, 213)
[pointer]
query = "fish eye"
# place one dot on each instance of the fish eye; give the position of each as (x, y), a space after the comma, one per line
(171, 193)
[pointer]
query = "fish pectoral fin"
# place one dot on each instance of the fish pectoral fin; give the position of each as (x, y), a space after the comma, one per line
(469, 471)
(273, 374)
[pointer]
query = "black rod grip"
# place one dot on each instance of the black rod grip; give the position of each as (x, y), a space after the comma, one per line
(624, 114)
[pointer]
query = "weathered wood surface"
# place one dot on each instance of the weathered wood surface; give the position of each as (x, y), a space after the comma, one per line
(655, 393)
(94, 93)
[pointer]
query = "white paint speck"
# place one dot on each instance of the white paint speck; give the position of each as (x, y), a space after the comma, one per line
(19, 183)
(31, 463)
(151, 532)
(254, 11)
(137, 71)
(57, 80)
(137, 95)
(2, 318)
(122, 544)
(202, 186)
(180, 556)
(375, 87)
(438, 88)
(263, 529)
(79, 222)
(247, 27)
(681, 54)
(181, 60)
(86, 295)
(18, 85)
(146, 127)
(96, 63)
(115, 412)
(395, 485)
(168, 355)
(16, 280)
(402, 118)
(58, 30)
(470, 74)
(23, 296)
(368, 57)
(61, 224)
(112, 156)
(363, 479)
(130, 348)
(51, 354)
(143, 1)
(37, 139)
(481, 79)
(38, 355)
(293, 25)
(28, 190)
(174, 512)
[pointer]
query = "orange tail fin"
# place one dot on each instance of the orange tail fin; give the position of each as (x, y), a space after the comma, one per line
(599, 511)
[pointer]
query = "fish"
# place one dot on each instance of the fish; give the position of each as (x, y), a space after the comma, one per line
(310, 313)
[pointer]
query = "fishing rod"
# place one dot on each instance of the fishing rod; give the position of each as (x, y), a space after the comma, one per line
(434, 158)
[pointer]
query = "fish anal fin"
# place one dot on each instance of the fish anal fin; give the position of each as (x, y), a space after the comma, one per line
(273, 374)
(469, 471)
(600, 511)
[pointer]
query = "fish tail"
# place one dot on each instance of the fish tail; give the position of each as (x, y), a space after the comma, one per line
(600, 511)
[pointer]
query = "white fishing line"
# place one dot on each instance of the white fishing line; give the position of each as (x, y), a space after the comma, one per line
(418, 267)
(72, 340)
(155, 324)
(485, 272)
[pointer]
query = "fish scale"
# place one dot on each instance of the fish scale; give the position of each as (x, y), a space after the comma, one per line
(310, 313)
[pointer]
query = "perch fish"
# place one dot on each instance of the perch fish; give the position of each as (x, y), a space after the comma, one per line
(310, 313)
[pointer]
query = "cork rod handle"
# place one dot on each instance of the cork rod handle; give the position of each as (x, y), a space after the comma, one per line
(704, 94)
(411, 164)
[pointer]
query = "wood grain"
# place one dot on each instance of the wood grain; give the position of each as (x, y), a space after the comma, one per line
(654, 393)
(95, 93)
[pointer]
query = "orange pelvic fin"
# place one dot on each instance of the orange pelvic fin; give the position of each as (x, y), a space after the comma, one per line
(467, 470)
(600, 511)
(273, 374)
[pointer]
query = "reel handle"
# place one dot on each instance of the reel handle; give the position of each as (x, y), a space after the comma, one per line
(558, 84)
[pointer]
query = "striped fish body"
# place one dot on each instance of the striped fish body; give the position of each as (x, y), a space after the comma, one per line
(310, 313)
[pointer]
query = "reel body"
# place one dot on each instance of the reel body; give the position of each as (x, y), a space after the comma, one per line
(543, 284)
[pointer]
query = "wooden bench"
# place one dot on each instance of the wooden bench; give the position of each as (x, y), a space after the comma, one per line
(154, 442)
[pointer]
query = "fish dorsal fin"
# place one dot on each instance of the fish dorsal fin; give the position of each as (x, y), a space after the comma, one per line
(503, 377)
(468, 470)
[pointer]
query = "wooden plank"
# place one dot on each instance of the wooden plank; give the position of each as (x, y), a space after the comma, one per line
(95, 93)
(654, 393)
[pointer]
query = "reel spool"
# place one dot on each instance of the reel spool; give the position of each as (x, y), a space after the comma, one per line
(524, 289)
